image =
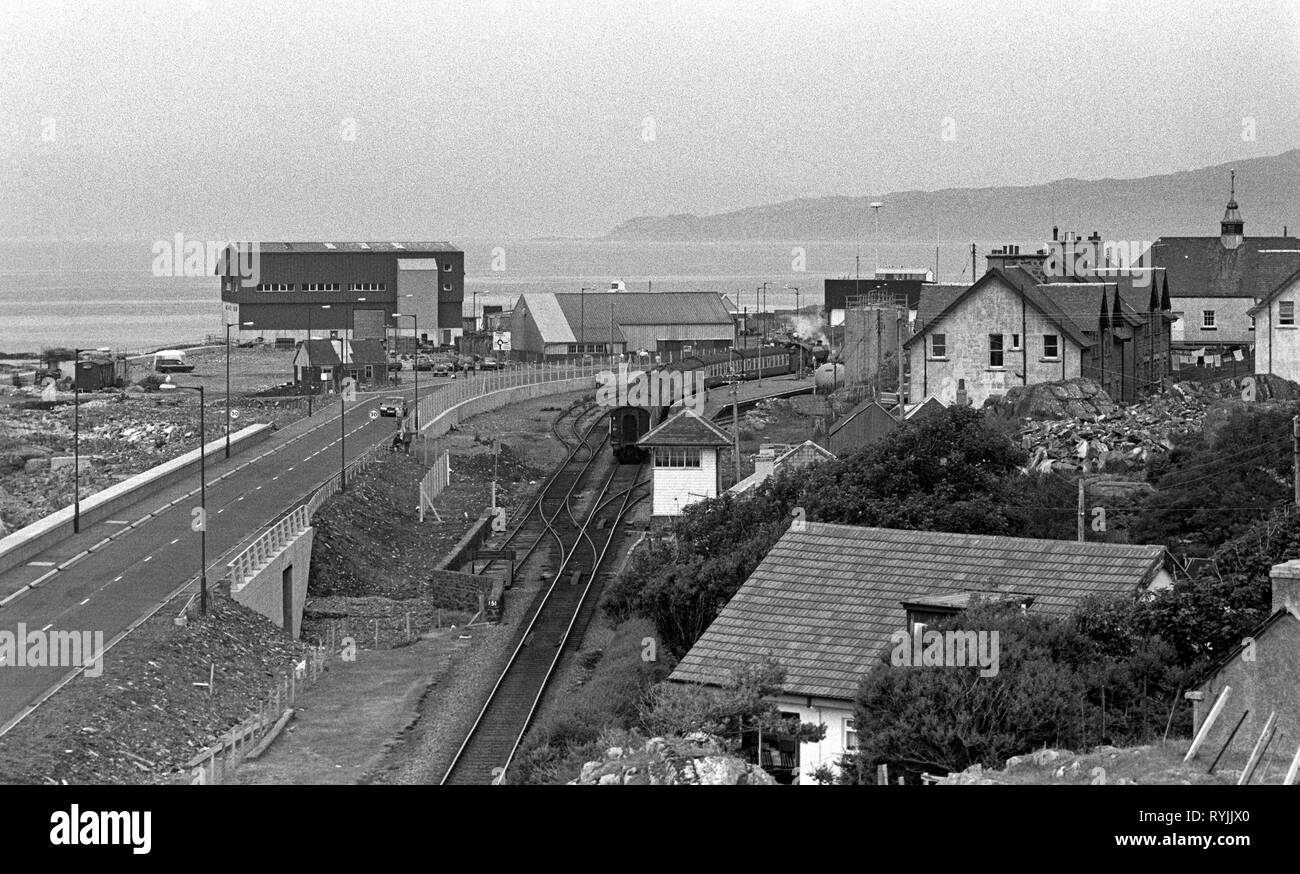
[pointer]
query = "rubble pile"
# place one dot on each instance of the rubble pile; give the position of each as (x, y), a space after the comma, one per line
(151, 710)
(696, 760)
(1074, 425)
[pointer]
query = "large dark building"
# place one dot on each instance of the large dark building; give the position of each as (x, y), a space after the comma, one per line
(344, 290)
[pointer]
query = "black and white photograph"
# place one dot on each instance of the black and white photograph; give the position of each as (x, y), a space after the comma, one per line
(416, 396)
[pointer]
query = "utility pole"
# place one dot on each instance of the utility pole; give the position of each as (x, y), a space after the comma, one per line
(1295, 456)
(735, 418)
(1081, 509)
(899, 351)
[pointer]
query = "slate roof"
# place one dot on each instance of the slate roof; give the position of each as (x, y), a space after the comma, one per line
(857, 411)
(386, 246)
(366, 351)
(320, 353)
(685, 428)
(942, 300)
(1268, 298)
(825, 600)
(1202, 267)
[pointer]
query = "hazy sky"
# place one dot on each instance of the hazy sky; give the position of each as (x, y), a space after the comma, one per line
(476, 119)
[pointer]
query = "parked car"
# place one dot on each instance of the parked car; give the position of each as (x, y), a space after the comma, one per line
(171, 361)
(489, 364)
(392, 406)
(424, 362)
(444, 369)
(394, 364)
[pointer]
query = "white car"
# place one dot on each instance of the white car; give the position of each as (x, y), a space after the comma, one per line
(392, 406)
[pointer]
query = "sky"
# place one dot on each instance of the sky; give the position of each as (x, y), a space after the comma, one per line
(432, 120)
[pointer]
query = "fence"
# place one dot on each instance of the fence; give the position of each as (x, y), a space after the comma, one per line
(246, 565)
(485, 382)
(437, 479)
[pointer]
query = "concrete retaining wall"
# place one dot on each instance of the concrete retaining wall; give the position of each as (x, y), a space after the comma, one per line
(454, 415)
(27, 542)
(264, 590)
(460, 553)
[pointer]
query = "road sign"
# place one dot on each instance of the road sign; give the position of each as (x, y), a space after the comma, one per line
(374, 414)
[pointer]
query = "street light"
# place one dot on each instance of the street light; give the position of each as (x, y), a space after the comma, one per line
(415, 320)
(230, 325)
(76, 444)
(203, 505)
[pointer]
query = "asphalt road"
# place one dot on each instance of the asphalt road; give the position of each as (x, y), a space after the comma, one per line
(120, 582)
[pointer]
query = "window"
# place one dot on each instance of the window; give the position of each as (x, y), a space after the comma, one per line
(674, 456)
(275, 286)
(1051, 346)
(850, 735)
(1286, 312)
(446, 286)
(366, 286)
(446, 266)
(1015, 342)
(320, 286)
(1207, 320)
(1252, 323)
(938, 345)
(995, 350)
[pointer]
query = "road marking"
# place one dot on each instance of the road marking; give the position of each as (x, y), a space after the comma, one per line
(40, 564)
(83, 602)
(118, 522)
(241, 497)
(222, 510)
(117, 579)
(148, 558)
(177, 540)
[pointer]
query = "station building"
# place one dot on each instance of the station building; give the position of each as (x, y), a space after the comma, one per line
(343, 290)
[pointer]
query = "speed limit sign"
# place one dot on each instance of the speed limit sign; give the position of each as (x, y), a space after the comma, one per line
(374, 414)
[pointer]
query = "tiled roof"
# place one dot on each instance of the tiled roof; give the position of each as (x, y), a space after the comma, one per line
(824, 601)
(366, 351)
(686, 428)
(1202, 267)
(857, 411)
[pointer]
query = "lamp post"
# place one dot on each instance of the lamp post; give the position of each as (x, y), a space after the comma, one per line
(474, 307)
(76, 444)
(415, 321)
(229, 325)
(875, 210)
(203, 505)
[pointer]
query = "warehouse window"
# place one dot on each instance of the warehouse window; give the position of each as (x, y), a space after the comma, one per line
(275, 286)
(1286, 312)
(446, 266)
(995, 350)
(676, 456)
(320, 286)
(446, 286)
(366, 286)
(1207, 320)
(1051, 346)
(939, 346)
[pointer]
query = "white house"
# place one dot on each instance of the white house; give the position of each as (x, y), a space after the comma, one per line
(1277, 333)
(826, 599)
(684, 450)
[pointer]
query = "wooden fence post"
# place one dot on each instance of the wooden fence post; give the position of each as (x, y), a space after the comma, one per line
(1210, 718)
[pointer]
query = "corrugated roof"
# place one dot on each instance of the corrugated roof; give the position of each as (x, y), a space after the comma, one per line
(412, 248)
(824, 601)
(686, 428)
(549, 318)
(1202, 267)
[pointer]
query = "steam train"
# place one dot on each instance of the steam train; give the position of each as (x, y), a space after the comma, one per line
(629, 423)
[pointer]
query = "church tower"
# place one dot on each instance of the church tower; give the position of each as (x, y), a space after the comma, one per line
(1230, 229)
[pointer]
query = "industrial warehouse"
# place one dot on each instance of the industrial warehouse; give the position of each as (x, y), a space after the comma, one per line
(359, 290)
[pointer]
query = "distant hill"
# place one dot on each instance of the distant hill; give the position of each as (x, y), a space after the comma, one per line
(1188, 203)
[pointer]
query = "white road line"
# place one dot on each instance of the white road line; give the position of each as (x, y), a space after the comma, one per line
(117, 579)
(83, 602)
(117, 522)
(40, 564)
(177, 540)
(222, 510)
(148, 558)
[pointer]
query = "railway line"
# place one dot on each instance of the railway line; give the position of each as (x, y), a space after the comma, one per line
(567, 532)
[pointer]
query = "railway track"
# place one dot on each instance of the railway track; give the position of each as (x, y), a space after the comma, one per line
(570, 527)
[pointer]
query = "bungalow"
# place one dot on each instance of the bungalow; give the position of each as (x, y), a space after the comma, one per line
(826, 599)
(772, 457)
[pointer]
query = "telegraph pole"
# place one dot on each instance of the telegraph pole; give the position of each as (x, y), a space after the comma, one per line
(1081, 509)
(1295, 456)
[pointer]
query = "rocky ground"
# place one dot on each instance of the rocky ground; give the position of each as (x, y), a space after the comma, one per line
(1074, 426)
(1155, 764)
(697, 760)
